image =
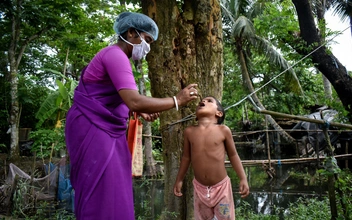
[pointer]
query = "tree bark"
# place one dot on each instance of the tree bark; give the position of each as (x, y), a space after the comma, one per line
(188, 50)
(320, 12)
(323, 60)
(14, 112)
(15, 52)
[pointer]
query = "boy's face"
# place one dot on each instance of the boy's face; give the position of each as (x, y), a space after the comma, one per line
(208, 105)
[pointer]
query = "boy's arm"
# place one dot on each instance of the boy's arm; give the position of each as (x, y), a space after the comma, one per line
(185, 162)
(236, 162)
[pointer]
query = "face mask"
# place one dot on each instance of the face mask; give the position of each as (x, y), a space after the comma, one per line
(139, 50)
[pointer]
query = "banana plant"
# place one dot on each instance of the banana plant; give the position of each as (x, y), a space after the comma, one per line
(57, 102)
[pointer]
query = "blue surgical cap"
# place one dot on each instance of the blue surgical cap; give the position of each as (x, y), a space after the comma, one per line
(138, 21)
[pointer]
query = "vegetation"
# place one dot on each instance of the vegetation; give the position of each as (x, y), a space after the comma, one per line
(304, 208)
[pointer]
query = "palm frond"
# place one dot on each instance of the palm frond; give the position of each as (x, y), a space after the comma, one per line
(243, 28)
(342, 8)
(274, 56)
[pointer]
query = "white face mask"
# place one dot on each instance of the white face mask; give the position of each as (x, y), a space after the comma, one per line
(139, 50)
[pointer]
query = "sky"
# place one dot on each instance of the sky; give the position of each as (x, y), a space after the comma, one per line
(342, 45)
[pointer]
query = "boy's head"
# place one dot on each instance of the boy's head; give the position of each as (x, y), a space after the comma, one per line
(208, 102)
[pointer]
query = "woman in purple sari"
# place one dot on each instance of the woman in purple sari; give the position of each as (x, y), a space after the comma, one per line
(97, 121)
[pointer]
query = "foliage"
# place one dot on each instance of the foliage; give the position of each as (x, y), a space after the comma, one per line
(244, 212)
(147, 214)
(306, 208)
(344, 185)
(46, 210)
(47, 141)
(259, 59)
(258, 177)
(157, 153)
(343, 193)
(4, 113)
(31, 95)
(3, 148)
(343, 8)
(233, 90)
(57, 103)
(149, 202)
(41, 34)
(23, 200)
(25, 205)
(277, 22)
(302, 209)
(336, 104)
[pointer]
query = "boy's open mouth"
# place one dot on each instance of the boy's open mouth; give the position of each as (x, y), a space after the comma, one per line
(201, 104)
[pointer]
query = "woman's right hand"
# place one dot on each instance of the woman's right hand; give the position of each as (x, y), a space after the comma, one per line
(189, 93)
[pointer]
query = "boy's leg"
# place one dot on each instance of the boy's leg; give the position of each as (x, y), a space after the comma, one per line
(202, 211)
(225, 209)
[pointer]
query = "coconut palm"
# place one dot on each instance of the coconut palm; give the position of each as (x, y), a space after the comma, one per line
(243, 39)
(343, 8)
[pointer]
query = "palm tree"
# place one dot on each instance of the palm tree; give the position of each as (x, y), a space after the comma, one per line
(243, 39)
(343, 8)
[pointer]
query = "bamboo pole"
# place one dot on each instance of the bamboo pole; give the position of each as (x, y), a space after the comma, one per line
(288, 161)
(302, 118)
(346, 151)
(267, 141)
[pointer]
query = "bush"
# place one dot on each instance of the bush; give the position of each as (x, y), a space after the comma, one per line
(47, 141)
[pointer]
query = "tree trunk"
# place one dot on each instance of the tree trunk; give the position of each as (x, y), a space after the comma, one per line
(15, 110)
(15, 53)
(320, 12)
(327, 88)
(326, 62)
(189, 50)
(14, 115)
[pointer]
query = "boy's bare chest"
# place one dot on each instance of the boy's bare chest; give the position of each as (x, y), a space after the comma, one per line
(206, 137)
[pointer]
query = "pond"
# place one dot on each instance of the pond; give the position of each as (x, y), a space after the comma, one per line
(267, 194)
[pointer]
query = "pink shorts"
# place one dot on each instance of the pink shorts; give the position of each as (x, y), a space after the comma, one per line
(213, 202)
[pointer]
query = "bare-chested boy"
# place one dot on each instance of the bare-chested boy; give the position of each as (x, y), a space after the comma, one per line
(205, 146)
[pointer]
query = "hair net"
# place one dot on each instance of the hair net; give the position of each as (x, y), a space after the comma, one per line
(138, 21)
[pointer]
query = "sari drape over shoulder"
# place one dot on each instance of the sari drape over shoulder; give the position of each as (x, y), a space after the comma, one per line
(99, 156)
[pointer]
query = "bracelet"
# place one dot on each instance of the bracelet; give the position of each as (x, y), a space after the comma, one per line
(175, 100)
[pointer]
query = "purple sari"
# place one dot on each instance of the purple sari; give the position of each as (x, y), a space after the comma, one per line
(99, 156)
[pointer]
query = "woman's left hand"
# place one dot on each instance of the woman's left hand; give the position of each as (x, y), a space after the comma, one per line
(150, 116)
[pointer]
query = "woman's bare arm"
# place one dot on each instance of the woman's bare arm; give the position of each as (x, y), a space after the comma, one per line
(141, 103)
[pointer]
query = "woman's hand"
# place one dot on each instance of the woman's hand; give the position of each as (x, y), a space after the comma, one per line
(150, 116)
(187, 94)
